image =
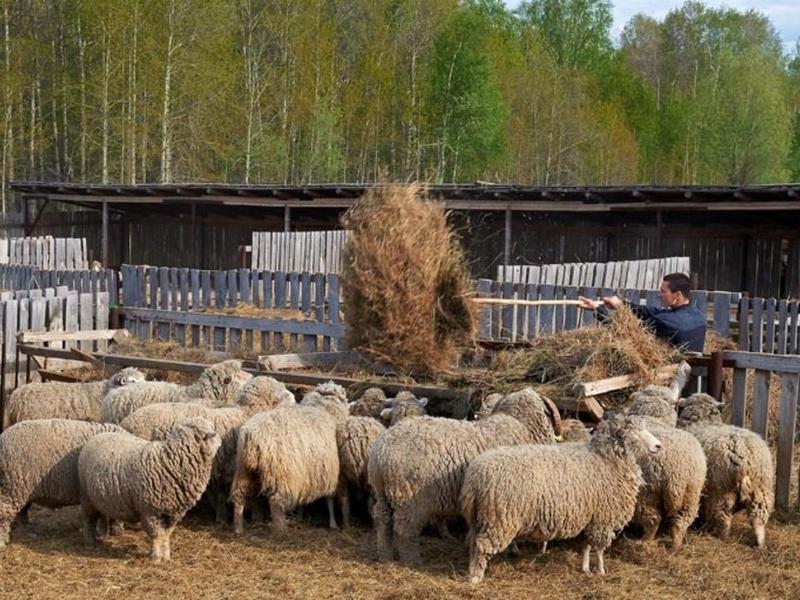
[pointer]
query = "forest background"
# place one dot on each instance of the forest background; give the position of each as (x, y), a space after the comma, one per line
(297, 91)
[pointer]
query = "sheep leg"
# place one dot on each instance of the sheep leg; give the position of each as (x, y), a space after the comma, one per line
(241, 488)
(382, 520)
(116, 527)
(331, 513)
(91, 518)
(682, 514)
(407, 528)
(7, 513)
(587, 559)
(23, 516)
(650, 520)
(277, 510)
(720, 513)
(343, 495)
(601, 567)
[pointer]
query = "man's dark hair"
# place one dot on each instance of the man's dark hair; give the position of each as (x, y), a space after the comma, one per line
(678, 282)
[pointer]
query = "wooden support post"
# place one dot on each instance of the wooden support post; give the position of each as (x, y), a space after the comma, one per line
(507, 246)
(659, 242)
(104, 242)
(195, 241)
(287, 218)
(715, 376)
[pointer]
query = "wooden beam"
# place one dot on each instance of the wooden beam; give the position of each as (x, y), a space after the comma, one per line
(85, 357)
(30, 337)
(56, 376)
(315, 360)
(507, 231)
(620, 382)
(513, 302)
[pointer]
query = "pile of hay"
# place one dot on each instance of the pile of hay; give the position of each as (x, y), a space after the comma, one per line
(564, 359)
(405, 283)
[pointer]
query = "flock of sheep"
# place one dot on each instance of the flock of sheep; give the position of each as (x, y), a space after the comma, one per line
(138, 452)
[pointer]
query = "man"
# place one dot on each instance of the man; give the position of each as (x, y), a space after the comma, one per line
(680, 323)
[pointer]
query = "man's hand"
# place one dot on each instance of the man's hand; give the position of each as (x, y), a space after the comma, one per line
(613, 302)
(587, 304)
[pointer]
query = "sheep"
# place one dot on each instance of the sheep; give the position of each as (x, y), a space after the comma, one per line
(573, 430)
(216, 385)
(59, 400)
(370, 404)
(154, 421)
(674, 477)
(547, 492)
(39, 464)
(290, 456)
(155, 483)
(487, 406)
(355, 437)
(416, 467)
(656, 402)
(740, 468)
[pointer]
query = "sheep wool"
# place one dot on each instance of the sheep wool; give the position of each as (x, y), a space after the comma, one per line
(290, 456)
(740, 471)
(416, 468)
(155, 421)
(541, 492)
(370, 404)
(129, 479)
(656, 402)
(59, 400)
(573, 430)
(218, 384)
(39, 464)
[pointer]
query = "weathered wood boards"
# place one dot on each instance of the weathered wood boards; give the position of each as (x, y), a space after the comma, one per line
(312, 251)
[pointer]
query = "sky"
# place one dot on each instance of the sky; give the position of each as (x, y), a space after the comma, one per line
(784, 14)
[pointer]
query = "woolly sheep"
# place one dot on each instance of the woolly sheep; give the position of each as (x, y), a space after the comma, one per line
(290, 456)
(355, 438)
(154, 421)
(370, 404)
(674, 477)
(740, 468)
(60, 400)
(129, 479)
(417, 466)
(542, 492)
(656, 402)
(216, 385)
(39, 464)
(573, 430)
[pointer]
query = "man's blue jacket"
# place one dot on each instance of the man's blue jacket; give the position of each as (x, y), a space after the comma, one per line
(683, 327)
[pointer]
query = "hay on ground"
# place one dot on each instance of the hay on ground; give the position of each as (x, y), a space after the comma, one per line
(405, 281)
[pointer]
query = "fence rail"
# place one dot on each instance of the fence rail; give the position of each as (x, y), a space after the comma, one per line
(313, 251)
(31, 278)
(236, 334)
(628, 274)
(45, 252)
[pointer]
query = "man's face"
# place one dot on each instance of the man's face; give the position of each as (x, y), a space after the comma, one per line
(670, 299)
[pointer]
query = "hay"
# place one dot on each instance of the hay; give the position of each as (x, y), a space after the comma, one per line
(405, 281)
(560, 361)
(51, 560)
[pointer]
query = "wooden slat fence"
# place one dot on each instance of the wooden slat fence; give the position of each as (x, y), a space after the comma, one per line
(788, 369)
(242, 336)
(628, 274)
(516, 323)
(45, 252)
(312, 251)
(30, 278)
(181, 289)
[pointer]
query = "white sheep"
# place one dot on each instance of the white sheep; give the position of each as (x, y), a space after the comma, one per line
(290, 456)
(370, 404)
(740, 467)
(355, 437)
(675, 476)
(216, 385)
(154, 422)
(416, 467)
(548, 492)
(39, 465)
(155, 483)
(60, 400)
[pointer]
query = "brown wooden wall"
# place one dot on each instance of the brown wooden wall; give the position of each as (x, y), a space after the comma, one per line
(758, 253)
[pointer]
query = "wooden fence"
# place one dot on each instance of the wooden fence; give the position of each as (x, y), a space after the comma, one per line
(628, 274)
(45, 252)
(762, 366)
(31, 278)
(313, 251)
(170, 288)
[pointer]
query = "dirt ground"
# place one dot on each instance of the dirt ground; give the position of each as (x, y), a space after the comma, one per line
(50, 559)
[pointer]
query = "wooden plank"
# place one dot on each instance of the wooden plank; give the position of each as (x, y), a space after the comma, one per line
(255, 288)
(101, 317)
(205, 282)
(756, 331)
(305, 292)
(233, 287)
(244, 286)
(219, 288)
(267, 278)
(764, 362)
(739, 397)
(786, 430)
(280, 289)
(722, 313)
(10, 320)
(532, 295)
(39, 336)
(783, 317)
(294, 290)
(588, 317)
(319, 296)
(71, 316)
(174, 289)
(769, 341)
(653, 298)
(793, 313)
(194, 282)
(546, 313)
(571, 311)
(620, 382)
(152, 279)
(507, 314)
(86, 313)
(760, 406)
(183, 284)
